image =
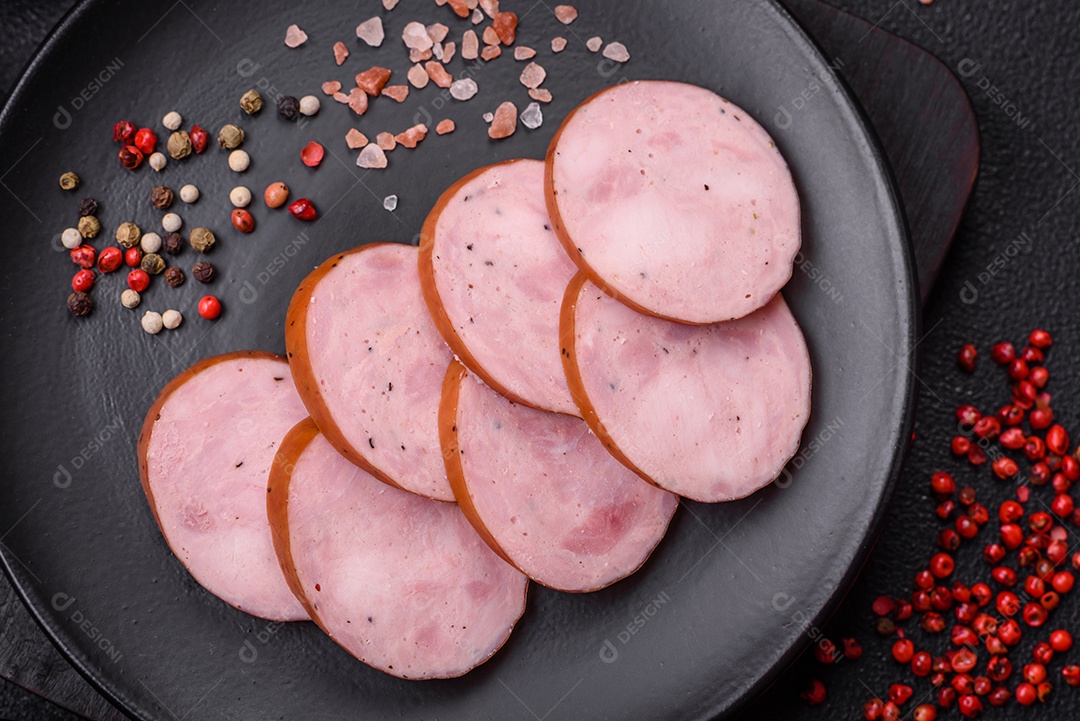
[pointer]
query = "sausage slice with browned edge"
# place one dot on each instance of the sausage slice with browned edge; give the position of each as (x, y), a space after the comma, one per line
(543, 492)
(493, 274)
(401, 582)
(709, 412)
(369, 364)
(205, 453)
(673, 200)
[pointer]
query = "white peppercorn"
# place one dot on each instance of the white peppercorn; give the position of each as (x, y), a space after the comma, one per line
(130, 298)
(189, 193)
(71, 238)
(157, 161)
(171, 319)
(240, 196)
(152, 323)
(171, 222)
(239, 160)
(309, 105)
(150, 243)
(172, 120)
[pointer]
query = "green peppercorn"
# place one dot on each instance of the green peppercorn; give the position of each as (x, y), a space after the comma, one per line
(202, 239)
(251, 102)
(179, 145)
(152, 263)
(128, 235)
(230, 137)
(69, 181)
(89, 226)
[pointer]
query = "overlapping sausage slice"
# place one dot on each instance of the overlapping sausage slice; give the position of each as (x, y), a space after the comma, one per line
(709, 412)
(401, 582)
(673, 200)
(369, 364)
(205, 453)
(543, 492)
(493, 274)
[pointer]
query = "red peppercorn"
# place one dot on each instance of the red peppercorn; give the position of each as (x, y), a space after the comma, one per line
(976, 456)
(825, 651)
(967, 356)
(981, 594)
(969, 706)
(138, 280)
(963, 660)
(982, 685)
(83, 281)
(995, 646)
(1034, 614)
(900, 693)
(1018, 369)
(999, 696)
(1057, 440)
(1034, 673)
(942, 565)
(967, 612)
(814, 693)
(303, 209)
(1012, 438)
(1038, 541)
(994, 553)
(948, 539)
(967, 414)
(1043, 653)
(1025, 694)
(903, 650)
(924, 580)
(312, 154)
(1035, 449)
(891, 712)
(920, 663)
(1042, 691)
(964, 636)
(110, 259)
(1062, 582)
(1009, 632)
(1042, 400)
(1040, 339)
(983, 624)
(1071, 468)
(962, 683)
(133, 256)
(1005, 468)
(1062, 505)
(1034, 586)
(882, 606)
(130, 157)
(1011, 535)
(946, 697)
(1011, 415)
(1007, 604)
(945, 510)
(903, 609)
(1031, 354)
(1039, 474)
(83, 256)
(961, 592)
(966, 527)
(1003, 353)
(1050, 600)
(1071, 674)
(1010, 512)
(873, 709)
(987, 427)
(852, 649)
(1041, 418)
(999, 668)
(1039, 377)
(145, 141)
(209, 307)
(199, 138)
(1025, 390)
(1040, 521)
(242, 220)
(960, 445)
(942, 484)
(924, 712)
(124, 132)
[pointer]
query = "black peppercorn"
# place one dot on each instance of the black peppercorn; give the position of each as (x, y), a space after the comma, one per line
(88, 206)
(172, 243)
(174, 276)
(203, 272)
(288, 107)
(79, 304)
(161, 197)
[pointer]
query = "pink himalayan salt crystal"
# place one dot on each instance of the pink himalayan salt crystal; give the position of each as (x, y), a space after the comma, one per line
(533, 75)
(504, 123)
(373, 80)
(532, 117)
(460, 7)
(616, 52)
(390, 4)
(386, 141)
(437, 51)
(397, 92)
(418, 76)
(594, 43)
(416, 56)
(341, 97)
(490, 52)
(490, 7)
(477, 17)
(372, 156)
(558, 44)
(438, 74)
(470, 45)
(416, 37)
(490, 36)
(523, 52)
(445, 126)
(448, 52)
(330, 87)
(463, 89)
(541, 94)
(358, 101)
(371, 32)
(566, 13)
(437, 32)
(355, 139)
(412, 137)
(340, 52)
(295, 37)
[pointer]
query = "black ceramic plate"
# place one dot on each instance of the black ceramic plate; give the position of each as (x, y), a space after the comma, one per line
(732, 593)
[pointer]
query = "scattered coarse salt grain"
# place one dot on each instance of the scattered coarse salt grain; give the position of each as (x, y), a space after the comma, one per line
(437, 32)
(558, 44)
(295, 37)
(340, 52)
(390, 4)
(490, 52)
(616, 52)
(490, 7)
(372, 156)
(448, 51)
(438, 74)
(397, 92)
(358, 101)
(386, 141)
(418, 76)
(477, 17)
(331, 86)
(521, 52)
(416, 37)
(355, 139)
(373, 80)
(566, 13)
(504, 123)
(445, 126)
(541, 94)
(532, 117)
(464, 89)
(371, 32)
(437, 51)
(488, 117)
(490, 37)
(594, 43)
(470, 45)
(460, 8)
(412, 137)
(341, 97)
(390, 203)
(533, 75)
(416, 56)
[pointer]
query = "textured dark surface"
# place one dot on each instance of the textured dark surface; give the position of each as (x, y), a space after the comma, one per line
(1027, 51)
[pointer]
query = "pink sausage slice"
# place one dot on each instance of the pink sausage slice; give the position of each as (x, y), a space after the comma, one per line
(401, 582)
(543, 492)
(205, 452)
(369, 364)
(493, 275)
(673, 200)
(709, 412)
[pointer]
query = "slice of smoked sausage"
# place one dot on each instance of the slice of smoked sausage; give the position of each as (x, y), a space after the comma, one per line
(401, 582)
(369, 363)
(709, 412)
(493, 275)
(205, 452)
(543, 492)
(673, 200)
